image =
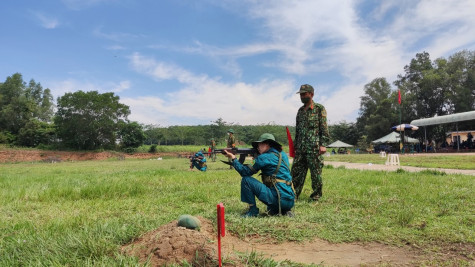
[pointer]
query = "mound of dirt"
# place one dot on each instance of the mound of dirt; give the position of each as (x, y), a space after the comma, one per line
(172, 244)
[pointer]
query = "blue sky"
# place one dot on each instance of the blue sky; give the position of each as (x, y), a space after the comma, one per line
(190, 62)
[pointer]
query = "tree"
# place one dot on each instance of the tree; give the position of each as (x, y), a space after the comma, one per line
(345, 132)
(378, 111)
(36, 132)
(22, 108)
(424, 87)
(219, 128)
(131, 136)
(153, 134)
(89, 120)
(461, 75)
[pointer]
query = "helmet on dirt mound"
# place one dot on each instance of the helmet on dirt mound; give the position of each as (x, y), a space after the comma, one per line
(189, 222)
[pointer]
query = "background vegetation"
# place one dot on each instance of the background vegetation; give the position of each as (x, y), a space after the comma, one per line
(89, 120)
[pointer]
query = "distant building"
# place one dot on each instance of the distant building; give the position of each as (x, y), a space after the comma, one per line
(460, 136)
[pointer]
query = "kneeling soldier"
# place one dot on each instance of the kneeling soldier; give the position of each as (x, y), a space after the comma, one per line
(276, 191)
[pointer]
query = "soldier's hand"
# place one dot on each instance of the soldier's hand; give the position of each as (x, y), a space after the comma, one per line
(229, 155)
(322, 150)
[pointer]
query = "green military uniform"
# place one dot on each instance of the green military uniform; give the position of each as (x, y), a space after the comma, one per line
(311, 133)
(231, 139)
(212, 147)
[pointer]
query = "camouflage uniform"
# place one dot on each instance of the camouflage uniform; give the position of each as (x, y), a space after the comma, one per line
(231, 141)
(311, 133)
(212, 147)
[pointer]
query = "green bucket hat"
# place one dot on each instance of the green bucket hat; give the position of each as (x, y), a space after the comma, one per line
(305, 88)
(269, 138)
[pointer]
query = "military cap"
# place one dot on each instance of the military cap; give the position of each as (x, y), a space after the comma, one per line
(305, 88)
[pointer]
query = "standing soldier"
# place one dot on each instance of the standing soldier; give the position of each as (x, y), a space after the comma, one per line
(212, 147)
(311, 137)
(231, 143)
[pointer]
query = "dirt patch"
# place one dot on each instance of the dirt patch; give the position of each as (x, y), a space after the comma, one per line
(171, 244)
(12, 156)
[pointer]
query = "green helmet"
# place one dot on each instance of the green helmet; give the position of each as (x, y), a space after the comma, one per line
(231, 131)
(268, 138)
(189, 221)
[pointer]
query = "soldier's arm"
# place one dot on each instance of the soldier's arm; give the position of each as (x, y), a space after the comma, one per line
(323, 131)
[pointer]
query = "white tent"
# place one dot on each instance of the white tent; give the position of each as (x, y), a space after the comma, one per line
(394, 137)
(338, 144)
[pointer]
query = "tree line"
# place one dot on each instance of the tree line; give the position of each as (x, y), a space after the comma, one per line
(90, 120)
(427, 88)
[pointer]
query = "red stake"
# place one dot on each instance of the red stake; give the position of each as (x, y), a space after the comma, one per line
(221, 229)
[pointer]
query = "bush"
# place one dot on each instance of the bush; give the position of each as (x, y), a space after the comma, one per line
(152, 149)
(129, 150)
(7, 138)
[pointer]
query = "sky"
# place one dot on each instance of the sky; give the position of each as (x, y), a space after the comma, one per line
(191, 62)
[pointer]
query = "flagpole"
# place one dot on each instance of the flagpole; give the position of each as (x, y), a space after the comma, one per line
(400, 123)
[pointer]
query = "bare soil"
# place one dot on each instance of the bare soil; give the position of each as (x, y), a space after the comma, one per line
(171, 244)
(12, 156)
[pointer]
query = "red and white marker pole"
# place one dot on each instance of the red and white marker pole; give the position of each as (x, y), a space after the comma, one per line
(221, 229)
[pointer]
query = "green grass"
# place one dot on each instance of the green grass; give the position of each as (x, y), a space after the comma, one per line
(80, 213)
(460, 161)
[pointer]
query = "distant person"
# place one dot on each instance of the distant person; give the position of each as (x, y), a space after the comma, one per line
(276, 189)
(311, 137)
(198, 161)
(212, 147)
(370, 149)
(433, 146)
(469, 140)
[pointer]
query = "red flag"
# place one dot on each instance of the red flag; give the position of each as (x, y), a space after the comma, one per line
(399, 96)
(291, 144)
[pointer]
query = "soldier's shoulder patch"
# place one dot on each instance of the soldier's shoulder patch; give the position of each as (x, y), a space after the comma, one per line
(322, 109)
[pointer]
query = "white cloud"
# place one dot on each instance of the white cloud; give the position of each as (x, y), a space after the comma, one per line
(59, 88)
(45, 21)
(115, 36)
(82, 4)
(204, 98)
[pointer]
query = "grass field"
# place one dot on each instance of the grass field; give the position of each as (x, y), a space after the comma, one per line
(80, 213)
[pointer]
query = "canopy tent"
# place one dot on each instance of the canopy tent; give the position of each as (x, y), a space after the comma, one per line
(394, 137)
(338, 144)
(453, 118)
(463, 116)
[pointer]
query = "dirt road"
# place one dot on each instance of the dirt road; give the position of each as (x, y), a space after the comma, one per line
(381, 167)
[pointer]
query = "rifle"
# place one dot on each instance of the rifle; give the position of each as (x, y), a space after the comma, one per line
(242, 152)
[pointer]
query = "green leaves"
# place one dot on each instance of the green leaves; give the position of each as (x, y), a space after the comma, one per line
(89, 120)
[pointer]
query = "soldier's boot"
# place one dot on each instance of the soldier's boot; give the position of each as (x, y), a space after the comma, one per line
(252, 212)
(289, 214)
(315, 196)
